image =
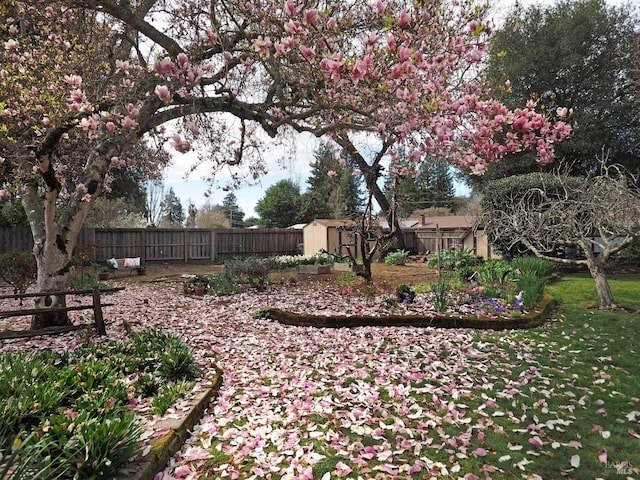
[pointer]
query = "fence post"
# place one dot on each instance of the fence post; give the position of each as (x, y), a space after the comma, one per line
(212, 238)
(185, 241)
(97, 312)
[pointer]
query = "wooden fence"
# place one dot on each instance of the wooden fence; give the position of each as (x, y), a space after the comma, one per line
(188, 245)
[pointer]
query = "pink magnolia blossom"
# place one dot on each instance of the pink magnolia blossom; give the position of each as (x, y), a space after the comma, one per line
(4, 194)
(180, 145)
(262, 45)
(306, 51)
(163, 66)
(163, 93)
(123, 66)
(342, 469)
(212, 36)
(183, 60)
(193, 128)
(11, 44)
(74, 80)
(128, 122)
(311, 15)
(404, 20)
(360, 68)
(290, 8)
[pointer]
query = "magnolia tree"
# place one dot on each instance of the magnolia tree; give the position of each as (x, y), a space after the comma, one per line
(412, 80)
(83, 81)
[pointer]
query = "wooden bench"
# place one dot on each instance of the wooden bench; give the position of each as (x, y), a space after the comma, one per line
(96, 305)
(120, 264)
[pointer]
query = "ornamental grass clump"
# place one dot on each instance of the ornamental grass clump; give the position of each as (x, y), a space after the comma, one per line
(531, 288)
(534, 266)
(440, 291)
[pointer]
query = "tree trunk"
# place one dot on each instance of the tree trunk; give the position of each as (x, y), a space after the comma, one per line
(596, 268)
(371, 173)
(50, 319)
(53, 260)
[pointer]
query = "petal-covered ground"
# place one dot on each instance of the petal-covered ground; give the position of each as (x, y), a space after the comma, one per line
(306, 403)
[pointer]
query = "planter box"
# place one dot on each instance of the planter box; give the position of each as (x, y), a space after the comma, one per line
(348, 267)
(314, 269)
(343, 267)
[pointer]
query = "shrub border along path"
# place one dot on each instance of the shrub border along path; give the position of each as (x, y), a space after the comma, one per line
(163, 448)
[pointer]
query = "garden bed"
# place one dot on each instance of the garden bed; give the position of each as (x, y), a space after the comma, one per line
(533, 318)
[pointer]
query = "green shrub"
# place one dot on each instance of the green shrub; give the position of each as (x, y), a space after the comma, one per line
(454, 258)
(18, 269)
(223, 283)
(252, 270)
(498, 195)
(628, 256)
(396, 258)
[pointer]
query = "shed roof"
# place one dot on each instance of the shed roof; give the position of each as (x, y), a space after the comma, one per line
(446, 222)
(327, 222)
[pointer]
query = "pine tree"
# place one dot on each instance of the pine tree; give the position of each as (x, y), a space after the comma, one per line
(232, 211)
(172, 209)
(432, 187)
(334, 196)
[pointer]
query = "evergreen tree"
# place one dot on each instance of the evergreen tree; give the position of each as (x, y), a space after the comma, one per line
(332, 196)
(172, 209)
(578, 55)
(192, 216)
(232, 211)
(432, 187)
(280, 206)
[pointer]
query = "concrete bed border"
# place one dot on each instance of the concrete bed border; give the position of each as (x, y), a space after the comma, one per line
(163, 448)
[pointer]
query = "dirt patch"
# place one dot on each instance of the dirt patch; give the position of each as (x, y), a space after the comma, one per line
(413, 273)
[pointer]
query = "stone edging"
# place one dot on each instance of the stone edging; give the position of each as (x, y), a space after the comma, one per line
(534, 318)
(163, 448)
